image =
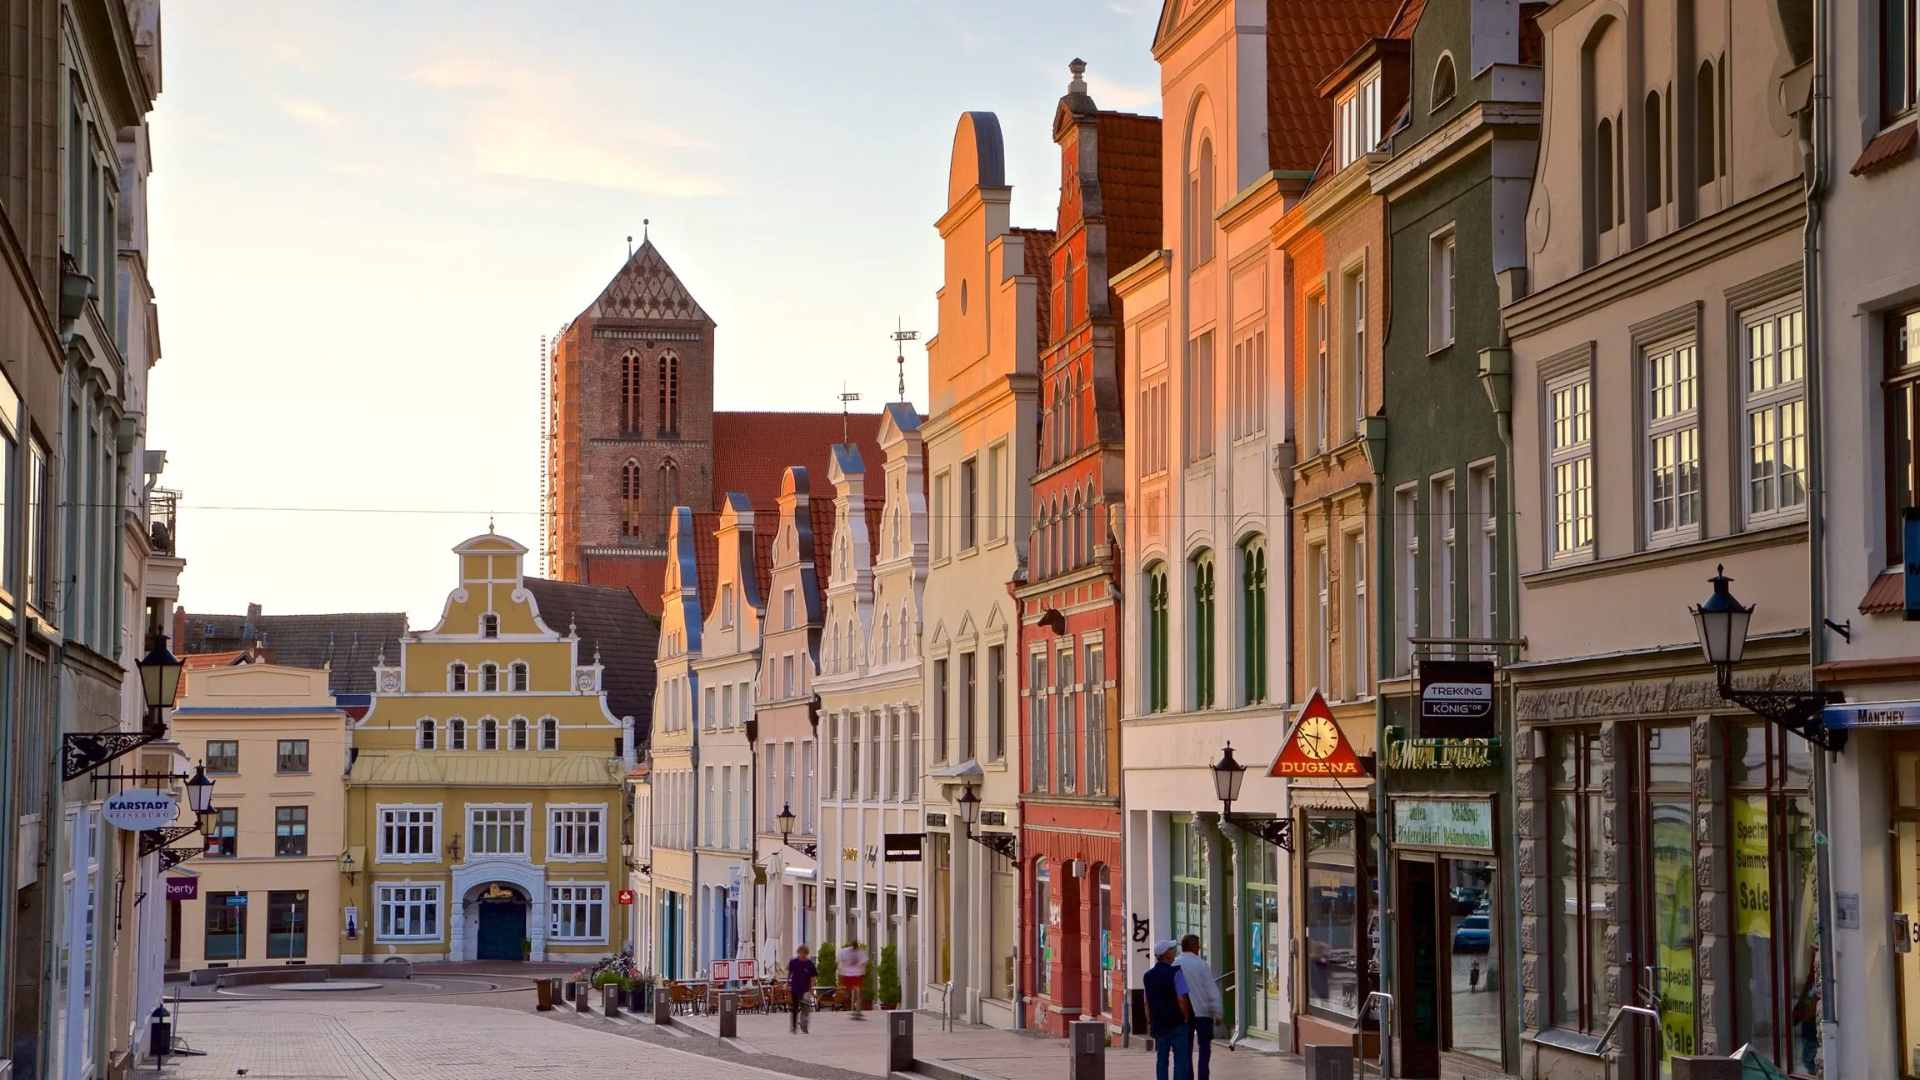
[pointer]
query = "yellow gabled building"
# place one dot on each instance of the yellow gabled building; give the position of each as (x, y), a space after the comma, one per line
(485, 797)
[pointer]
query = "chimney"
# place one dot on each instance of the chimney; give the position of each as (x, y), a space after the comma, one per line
(253, 611)
(627, 758)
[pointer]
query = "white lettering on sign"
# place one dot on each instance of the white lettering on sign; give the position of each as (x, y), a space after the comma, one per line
(1452, 823)
(139, 810)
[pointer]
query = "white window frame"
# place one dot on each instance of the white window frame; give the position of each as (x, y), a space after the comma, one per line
(1357, 129)
(489, 678)
(1572, 485)
(432, 897)
(1357, 620)
(459, 677)
(1442, 608)
(990, 507)
(475, 849)
(519, 735)
(457, 728)
(1671, 437)
(426, 734)
(1249, 404)
(1200, 398)
(1441, 252)
(1353, 298)
(519, 677)
(571, 900)
(1780, 398)
(939, 514)
(489, 733)
(1317, 634)
(1484, 558)
(596, 828)
(549, 725)
(430, 824)
(1406, 509)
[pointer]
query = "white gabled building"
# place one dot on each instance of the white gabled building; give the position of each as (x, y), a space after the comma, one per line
(724, 675)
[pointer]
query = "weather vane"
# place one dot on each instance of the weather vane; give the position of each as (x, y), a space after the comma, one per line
(900, 338)
(845, 399)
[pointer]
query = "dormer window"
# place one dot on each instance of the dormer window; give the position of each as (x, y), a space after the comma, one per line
(519, 670)
(1357, 127)
(489, 625)
(457, 678)
(489, 678)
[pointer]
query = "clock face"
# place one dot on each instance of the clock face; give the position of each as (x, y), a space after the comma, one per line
(1317, 737)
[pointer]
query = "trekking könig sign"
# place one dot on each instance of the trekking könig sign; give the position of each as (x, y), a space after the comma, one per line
(1456, 699)
(1317, 747)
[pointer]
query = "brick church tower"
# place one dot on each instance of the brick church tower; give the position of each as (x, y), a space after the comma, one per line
(630, 434)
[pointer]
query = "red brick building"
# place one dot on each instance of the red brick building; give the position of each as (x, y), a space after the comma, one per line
(632, 432)
(1073, 950)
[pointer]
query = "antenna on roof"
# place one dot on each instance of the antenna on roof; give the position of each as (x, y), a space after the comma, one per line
(900, 338)
(845, 399)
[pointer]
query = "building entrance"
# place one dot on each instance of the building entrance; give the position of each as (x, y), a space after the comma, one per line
(503, 924)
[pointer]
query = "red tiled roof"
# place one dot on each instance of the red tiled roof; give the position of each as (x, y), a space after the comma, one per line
(1407, 18)
(706, 554)
(196, 661)
(876, 514)
(820, 516)
(1533, 46)
(1130, 186)
(1887, 593)
(1307, 40)
(1039, 265)
(1888, 147)
(765, 528)
(751, 450)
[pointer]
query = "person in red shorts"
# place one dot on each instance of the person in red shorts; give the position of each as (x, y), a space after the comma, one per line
(852, 967)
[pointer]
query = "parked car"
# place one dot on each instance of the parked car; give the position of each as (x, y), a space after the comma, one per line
(1467, 900)
(1474, 934)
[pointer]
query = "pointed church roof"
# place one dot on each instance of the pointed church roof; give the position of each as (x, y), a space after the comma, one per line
(647, 288)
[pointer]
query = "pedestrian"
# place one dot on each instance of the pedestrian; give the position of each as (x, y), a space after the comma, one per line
(1209, 1007)
(853, 972)
(1473, 978)
(801, 972)
(1169, 1013)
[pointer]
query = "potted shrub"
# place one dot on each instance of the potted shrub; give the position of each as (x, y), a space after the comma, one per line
(526, 948)
(889, 978)
(825, 961)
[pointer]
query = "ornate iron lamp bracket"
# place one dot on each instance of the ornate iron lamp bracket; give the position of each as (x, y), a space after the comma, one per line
(1798, 711)
(152, 840)
(81, 752)
(173, 856)
(1002, 842)
(1275, 831)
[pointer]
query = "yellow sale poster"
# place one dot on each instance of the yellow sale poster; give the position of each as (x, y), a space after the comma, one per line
(1752, 883)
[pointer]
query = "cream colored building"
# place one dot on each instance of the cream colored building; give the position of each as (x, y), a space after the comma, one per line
(724, 673)
(275, 747)
(983, 383)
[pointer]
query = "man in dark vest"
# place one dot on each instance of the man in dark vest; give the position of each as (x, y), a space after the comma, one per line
(1169, 1013)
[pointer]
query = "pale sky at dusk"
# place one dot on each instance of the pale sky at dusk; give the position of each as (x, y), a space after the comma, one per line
(366, 213)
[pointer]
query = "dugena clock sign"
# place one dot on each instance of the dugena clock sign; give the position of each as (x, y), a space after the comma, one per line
(1316, 746)
(139, 809)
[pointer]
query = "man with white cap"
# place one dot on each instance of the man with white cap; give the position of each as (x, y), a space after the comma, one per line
(1169, 1013)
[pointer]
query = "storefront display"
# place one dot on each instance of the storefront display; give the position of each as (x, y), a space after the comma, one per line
(1341, 937)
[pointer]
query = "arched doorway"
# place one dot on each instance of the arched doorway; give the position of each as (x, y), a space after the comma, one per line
(502, 923)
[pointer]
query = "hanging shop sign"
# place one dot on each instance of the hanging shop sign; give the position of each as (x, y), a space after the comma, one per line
(1443, 753)
(1456, 699)
(1316, 746)
(183, 888)
(1448, 823)
(626, 897)
(904, 846)
(139, 809)
(1872, 714)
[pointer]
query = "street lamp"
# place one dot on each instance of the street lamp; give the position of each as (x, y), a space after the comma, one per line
(82, 752)
(159, 679)
(1721, 624)
(200, 797)
(969, 809)
(348, 867)
(1228, 775)
(1001, 842)
(785, 818)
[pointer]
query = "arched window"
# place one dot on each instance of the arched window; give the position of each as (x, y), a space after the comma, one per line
(1253, 620)
(1706, 140)
(489, 734)
(489, 678)
(886, 637)
(1603, 173)
(906, 632)
(1066, 296)
(1203, 628)
(1444, 81)
(1200, 205)
(669, 489)
(1091, 512)
(630, 501)
(457, 678)
(1157, 638)
(1071, 406)
(456, 734)
(836, 648)
(423, 737)
(549, 734)
(630, 391)
(669, 394)
(1653, 174)
(520, 677)
(490, 625)
(1055, 527)
(517, 733)
(1042, 901)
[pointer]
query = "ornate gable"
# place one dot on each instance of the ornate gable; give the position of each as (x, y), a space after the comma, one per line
(647, 288)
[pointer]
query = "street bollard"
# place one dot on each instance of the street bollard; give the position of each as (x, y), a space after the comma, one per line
(662, 1008)
(582, 998)
(900, 1041)
(1706, 1068)
(729, 1015)
(543, 995)
(610, 1000)
(1329, 1061)
(1089, 1060)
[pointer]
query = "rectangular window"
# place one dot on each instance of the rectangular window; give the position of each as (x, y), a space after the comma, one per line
(1899, 71)
(1673, 442)
(939, 515)
(997, 702)
(1340, 906)
(497, 830)
(968, 692)
(289, 831)
(1570, 458)
(578, 832)
(969, 503)
(787, 688)
(726, 604)
(1319, 624)
(1446, 563)
(1576, 814)
(1776, 411)
(893, 757)
(1770, 836)
(1483, 593)
(406, 913)
(409, 834)
(224, 841)
(788, 609)
(1902, 395)
(1406, 601)
(1440, 291)
(876, 750)
(1355, 619)
(579, 912)
(39, 554)
(833, 757)
(1066, 720)
(223, 756)
(940, 709)
(1096, 722)
(1200, 398)
(291, 756)
(287, 924)
(1358, 121)
(1037, 706)
(226, 925)
(990, 509)
(711, 713)
(854, 744)
(726, 806)
(1247, 403)
(809, 780)
(1153, 423)
(1354, 382)
(1321, 373)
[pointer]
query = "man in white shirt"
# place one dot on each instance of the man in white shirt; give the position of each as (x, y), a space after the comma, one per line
(1204, 993)
(852, 966)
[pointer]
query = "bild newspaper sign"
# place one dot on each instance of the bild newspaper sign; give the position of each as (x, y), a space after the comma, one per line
(1456, 699)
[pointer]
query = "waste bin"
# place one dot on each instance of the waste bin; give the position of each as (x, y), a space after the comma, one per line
(543, 994)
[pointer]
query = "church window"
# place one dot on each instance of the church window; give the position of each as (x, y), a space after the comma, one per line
(630, 392)
(669, 486)
(669, 394)
(457, 678)
(630, 499)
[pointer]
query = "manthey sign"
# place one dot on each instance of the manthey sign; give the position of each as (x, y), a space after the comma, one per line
(1456, 699)
(1317, 747)
(1443, 754)
(1443, 823)
(140, 809)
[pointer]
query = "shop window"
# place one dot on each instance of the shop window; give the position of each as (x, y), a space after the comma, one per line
(226, 925)
(1342, 929)
(1105, 962)
(1776, 1003)
(287, 923)
(1474, 1017)
(1577, 959)
(1667, 928)
(1266, 945)
(1187, 858)
(1042, 939)
(1902, 394)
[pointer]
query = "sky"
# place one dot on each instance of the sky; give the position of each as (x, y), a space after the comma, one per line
(367, 213)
